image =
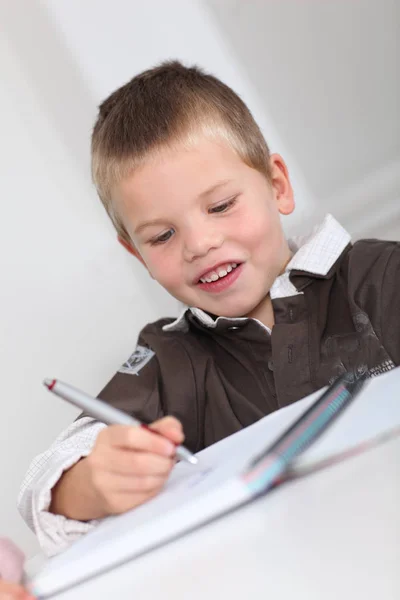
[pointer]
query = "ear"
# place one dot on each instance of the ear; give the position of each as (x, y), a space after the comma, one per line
(131, 249)
(281, 184)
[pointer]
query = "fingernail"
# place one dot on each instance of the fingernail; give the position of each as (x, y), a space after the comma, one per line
(169, 449)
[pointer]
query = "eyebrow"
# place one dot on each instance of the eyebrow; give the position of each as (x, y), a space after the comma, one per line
(214, 187)
(148, 224)
(204, 194)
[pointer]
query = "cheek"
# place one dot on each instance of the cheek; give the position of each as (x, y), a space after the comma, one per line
(256, 229)
(162, 267)
(261, 236)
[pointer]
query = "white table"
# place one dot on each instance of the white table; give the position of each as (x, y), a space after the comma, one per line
(334, 535)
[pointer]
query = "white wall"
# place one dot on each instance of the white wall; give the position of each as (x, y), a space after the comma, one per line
(72, 302)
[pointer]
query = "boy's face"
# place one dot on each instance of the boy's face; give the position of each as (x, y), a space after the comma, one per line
(207, 226)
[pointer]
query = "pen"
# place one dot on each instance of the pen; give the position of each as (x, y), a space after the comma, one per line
(106, 413)
(270, 466)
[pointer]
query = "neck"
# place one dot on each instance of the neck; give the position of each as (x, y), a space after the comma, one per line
(264, 312)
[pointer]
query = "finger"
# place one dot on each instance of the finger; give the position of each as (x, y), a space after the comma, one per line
(138, 438)
(12, 591)
(169, 427)
(127, 462)
(122, 502)
(135, 484)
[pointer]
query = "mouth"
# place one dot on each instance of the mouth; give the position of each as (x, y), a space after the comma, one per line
(220, 277)
(218, 272)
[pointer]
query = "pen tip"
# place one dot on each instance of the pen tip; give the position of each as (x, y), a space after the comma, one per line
(49, 383)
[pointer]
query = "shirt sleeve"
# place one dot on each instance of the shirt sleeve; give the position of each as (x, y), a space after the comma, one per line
(55, 532)
(134, 389)
(390, 305)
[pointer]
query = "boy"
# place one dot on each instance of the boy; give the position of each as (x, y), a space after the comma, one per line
(188, 181)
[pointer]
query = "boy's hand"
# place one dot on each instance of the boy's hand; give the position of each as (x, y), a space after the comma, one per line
(13, 591)
(127, 466)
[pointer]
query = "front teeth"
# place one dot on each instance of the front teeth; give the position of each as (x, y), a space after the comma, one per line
(222, 272)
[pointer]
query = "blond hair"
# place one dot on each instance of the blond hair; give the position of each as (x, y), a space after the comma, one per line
(163, 106)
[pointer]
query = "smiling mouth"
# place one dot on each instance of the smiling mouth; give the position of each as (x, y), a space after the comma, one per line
(218, 273)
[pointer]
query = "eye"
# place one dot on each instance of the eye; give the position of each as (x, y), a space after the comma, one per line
(223, 206)
(161, 239)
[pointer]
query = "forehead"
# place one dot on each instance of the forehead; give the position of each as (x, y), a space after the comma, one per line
(182, 170)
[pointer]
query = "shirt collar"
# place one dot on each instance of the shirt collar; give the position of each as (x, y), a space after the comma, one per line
(314, 254)
(317, 253)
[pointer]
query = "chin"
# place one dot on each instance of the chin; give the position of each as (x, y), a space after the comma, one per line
(236, 312)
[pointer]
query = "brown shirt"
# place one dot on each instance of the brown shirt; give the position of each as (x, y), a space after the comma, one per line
(218, 379)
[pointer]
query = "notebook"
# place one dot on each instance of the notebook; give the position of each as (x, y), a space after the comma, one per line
(195, 496)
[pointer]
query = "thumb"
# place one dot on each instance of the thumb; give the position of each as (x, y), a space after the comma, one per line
(170, 428)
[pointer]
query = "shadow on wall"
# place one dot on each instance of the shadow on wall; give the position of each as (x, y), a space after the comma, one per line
(53, 75)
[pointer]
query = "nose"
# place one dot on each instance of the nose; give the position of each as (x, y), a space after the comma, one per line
(200, 240)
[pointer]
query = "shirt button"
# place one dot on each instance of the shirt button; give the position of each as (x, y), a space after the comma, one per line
(271, 365)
